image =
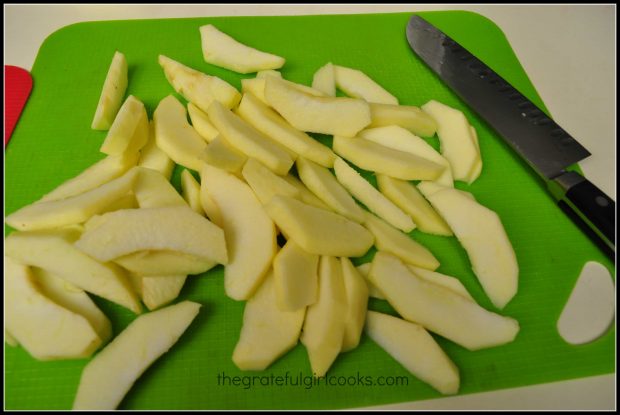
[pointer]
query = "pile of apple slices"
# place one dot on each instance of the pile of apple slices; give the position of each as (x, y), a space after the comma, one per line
(121, 231)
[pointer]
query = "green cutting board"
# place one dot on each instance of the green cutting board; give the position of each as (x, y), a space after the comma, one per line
(53, 142)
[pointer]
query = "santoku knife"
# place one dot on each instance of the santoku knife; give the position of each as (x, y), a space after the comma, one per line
(546, 147)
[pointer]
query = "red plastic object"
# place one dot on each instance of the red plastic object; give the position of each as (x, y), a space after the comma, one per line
(17, 87)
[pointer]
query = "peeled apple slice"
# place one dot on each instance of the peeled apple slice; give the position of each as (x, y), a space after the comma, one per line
(357, 84)
(406, 116)
(371, 197)
(222, 155)
(444, 280)
(109, 375)
(268, 72)
(54, 251)
(74, 209)
(373, 291)
(152, 157)
(256, 86)
(112, 93)
(295, 277)
(415, 349)
(45, 329)
(482, 235)
(477, 167)
(266, 183)
(324, 80)
(175, 136)
(160, 290)
(356, 291)
(190, 190)
(201, 123)
(147, 263)
(197, 87)
(130, 130)
(318, 231)
(439, 309)
(268, 332)
(305, 195)
(250, 233)
(222, 50)
(152, 189)
(326, 115)
(325, 323)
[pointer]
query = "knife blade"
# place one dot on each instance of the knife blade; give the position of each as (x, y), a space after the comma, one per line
(547, 148)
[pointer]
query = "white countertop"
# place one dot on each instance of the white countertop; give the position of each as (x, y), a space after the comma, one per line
(568, 52)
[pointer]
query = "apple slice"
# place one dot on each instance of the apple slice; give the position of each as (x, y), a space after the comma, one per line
(441, 279)
(357, 84)
(409, 117)
(249, 140)
(160, 290)
(268, 72)
(175, 228)
(356, 291)
(208, 204)
(45, 329)
(371, 197)
(221, 50)
(201, 123)
(272, 125)
(373, 291)
(250, 233)
(222, 155)
(439, 309)
(264, 183)
(295, 277)
(305, 195)
(175, 136)
(112, 93)
(198, 87)
(74, 209)
(191, 191)
(152, 157)
(326, 115)
(398, 138)
(125, 202)
(324, 328)
(318, 231)
(371, 156)
(268, 332)
(73, 299)
(130, 130)
(482, 235)
(324, 80)
(399, 244)
(415, 349)
(54, 251)
(256, 86)
(407, 197)
(146, 263)
(109, 375)
(325, 186)
(457, 144)
(477, 166)
(152, 189)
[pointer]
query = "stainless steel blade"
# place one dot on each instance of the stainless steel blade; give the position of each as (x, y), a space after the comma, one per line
(546, 147)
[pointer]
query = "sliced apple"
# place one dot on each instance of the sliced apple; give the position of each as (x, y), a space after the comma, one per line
(160, 290)
(175, 228)
(201, 123)
(447, 281)
(398, 138)
(357, 84)
(54, 251)
(112, 93)
(274, 126)
(108, 377)
(326, 115)
(73, 299)
(175, 136)
(256, 86)
(249, 140)
(125, 202)
(356, 291)
(152, 157)
(477, 167)
(406, 116)
(318, 231)
(198, 87)
(250, 233)
(439, 309)
(324, 328)
(208, 204)
(74, 209)
(325, 186)
(457, 144)
(152, 189)
(268, 72)
(268, 332)
(373, 291)
(130, 130)
(371, 197)
(295, 277)
(324, 80)
(264, 183)
(369, 155)
(222, 155)
(191, 191)
(415, 349)
(482, 235)
(407, 197)
(305, 195)
(147, 263)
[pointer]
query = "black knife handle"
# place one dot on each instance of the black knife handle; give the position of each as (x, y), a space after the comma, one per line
(589, 207)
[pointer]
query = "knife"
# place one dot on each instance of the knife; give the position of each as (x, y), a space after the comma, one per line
(542, 143)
